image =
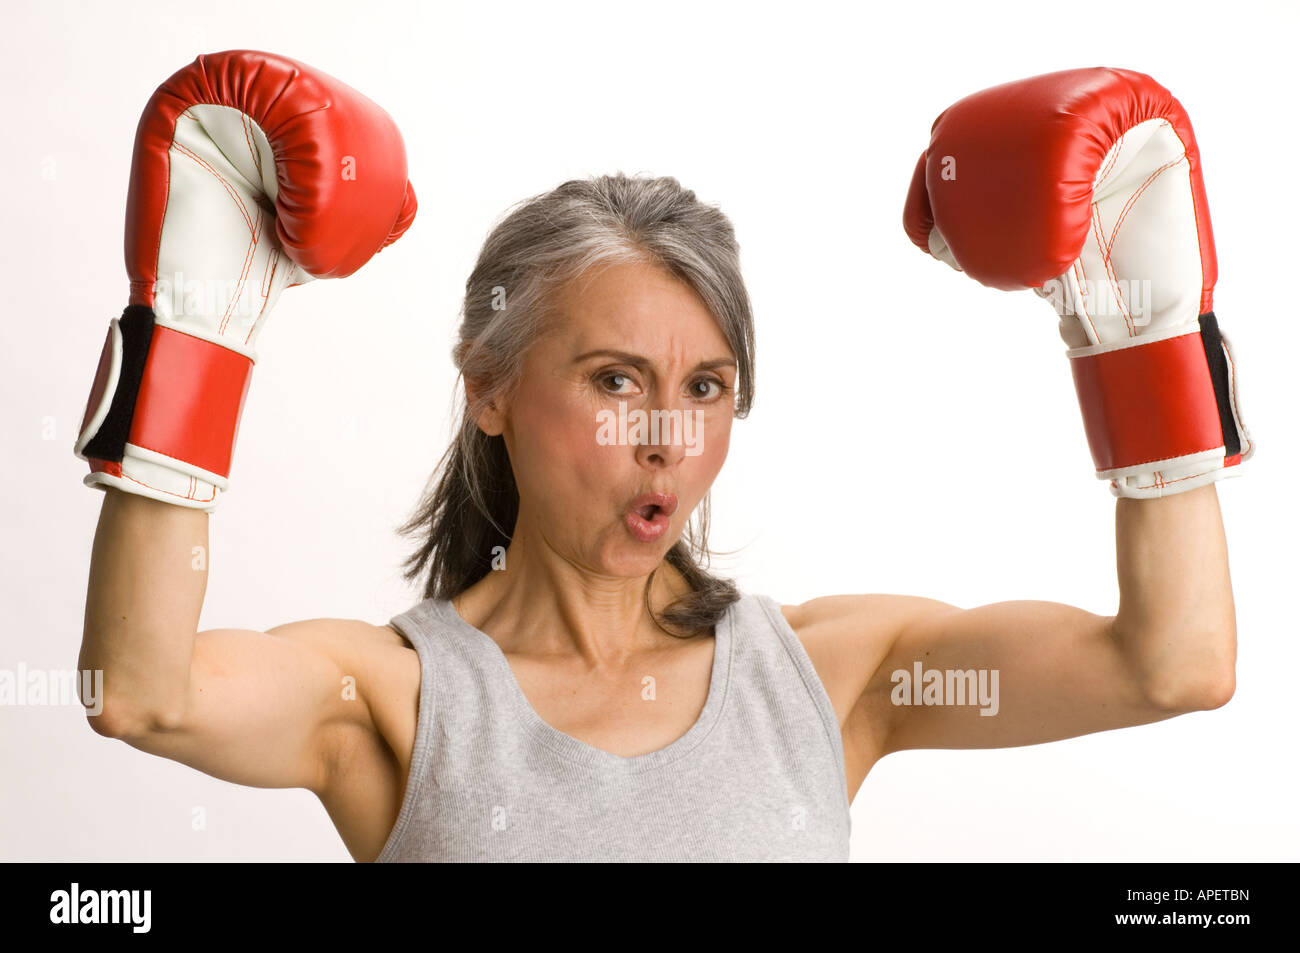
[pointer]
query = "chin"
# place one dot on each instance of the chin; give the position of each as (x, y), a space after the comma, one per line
(641, 561)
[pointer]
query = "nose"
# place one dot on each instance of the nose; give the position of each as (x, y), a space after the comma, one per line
(660, 457)
(663, 442)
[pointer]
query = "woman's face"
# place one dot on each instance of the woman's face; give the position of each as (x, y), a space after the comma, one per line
(630, 334)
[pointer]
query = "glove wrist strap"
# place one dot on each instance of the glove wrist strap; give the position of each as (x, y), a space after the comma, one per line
(1158, 404)
(166, 396)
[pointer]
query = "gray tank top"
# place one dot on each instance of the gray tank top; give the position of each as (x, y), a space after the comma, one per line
(758, 777)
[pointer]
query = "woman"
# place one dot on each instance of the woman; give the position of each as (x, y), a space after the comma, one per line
(575, 684)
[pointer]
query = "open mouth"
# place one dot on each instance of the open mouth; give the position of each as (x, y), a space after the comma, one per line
(648, 515)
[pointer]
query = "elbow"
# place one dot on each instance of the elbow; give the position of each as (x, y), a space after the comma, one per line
(1202, 691)
(111, 722)
(1220, 692)
(115, 720)
(1195, 671)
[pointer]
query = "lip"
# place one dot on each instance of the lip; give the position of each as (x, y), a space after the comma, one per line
(648, 528)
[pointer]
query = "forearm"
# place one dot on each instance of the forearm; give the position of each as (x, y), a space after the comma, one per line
(1176, 618)
(148, 575)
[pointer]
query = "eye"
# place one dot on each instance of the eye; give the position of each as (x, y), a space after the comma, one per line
(621, 379)
(720, 388)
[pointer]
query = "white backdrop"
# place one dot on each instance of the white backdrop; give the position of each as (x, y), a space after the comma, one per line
(913, 432)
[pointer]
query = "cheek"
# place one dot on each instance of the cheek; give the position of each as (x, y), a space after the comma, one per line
(556, 448)
(713, 438)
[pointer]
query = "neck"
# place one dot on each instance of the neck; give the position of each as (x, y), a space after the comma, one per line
(543, 603)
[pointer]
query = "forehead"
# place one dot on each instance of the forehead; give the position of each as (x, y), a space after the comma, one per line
(633, 300)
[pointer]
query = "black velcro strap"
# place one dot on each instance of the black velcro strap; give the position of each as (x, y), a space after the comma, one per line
(136, 325)
(1219, 376)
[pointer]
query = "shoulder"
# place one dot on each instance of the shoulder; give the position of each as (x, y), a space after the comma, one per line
(848, 637)
(348, 642)
(377, 667)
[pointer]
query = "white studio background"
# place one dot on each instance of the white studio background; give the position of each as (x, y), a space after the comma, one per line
(913, 432)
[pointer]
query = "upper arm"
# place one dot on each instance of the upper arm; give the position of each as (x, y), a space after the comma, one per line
(1010, 673)
(266, 708)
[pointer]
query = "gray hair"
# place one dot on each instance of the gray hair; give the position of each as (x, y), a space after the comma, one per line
(471, 502)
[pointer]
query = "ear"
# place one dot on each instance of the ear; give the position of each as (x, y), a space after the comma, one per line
(489, 416)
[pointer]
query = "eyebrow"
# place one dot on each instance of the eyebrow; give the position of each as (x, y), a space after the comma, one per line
(640, 362)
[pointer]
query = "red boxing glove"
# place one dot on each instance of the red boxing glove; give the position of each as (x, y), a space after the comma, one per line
(1085, 185)
(251, 173)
